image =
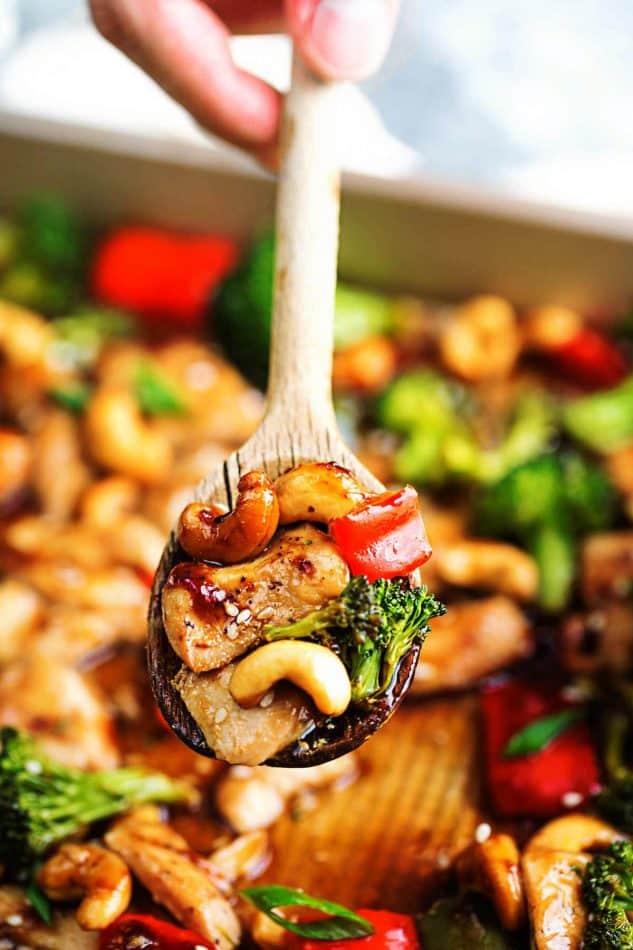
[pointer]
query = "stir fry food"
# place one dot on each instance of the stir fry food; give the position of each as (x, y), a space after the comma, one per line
(131, 364)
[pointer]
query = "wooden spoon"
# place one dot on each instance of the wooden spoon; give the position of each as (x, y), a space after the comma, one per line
(299, 423)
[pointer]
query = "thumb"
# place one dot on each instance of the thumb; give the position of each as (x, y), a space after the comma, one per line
(342, 39)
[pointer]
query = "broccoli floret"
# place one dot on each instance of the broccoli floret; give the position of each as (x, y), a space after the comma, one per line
(615, 803)
(546, 504)
(43, 802)
(370, 626)
(241, 312)
(46, 257)
(615, 800)
(607, 891)
(80, 336)
(530, 432)
(603, 421)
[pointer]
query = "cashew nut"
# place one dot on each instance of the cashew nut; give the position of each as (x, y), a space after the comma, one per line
(491, 565)
(310, 666)
(245, 857)
(25, 337)
(492, 866)
(100, 877)
(238, 535)
(481, 340)
(366, 366)
(15, 463)
(119, 438)
(549, 327)
(573, 833)
(107, 500)
(317, 491)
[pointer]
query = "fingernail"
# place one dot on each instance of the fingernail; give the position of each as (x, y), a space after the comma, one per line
(350, 37)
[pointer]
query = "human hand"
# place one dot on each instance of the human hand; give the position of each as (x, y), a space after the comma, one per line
(183, 45)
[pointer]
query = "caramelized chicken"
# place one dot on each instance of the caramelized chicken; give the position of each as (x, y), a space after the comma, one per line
(214, 614)
(472, 640)
(187, 885)
(238, 735)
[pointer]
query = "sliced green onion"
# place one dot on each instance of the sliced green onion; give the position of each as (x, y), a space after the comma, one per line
(341, 924)
(539, 733)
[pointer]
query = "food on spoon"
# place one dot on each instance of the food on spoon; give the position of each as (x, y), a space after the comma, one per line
(274, 644)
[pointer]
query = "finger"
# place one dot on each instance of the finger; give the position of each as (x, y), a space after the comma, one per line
(250, 16)
(342, 39)
(184, 46)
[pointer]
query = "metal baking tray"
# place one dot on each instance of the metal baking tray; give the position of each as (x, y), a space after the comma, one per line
(389, 837)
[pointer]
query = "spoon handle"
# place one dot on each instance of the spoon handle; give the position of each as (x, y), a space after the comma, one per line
(300, 381)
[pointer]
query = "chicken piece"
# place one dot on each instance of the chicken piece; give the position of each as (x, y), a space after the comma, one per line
(238, 735)
(99, 589)
(60, 474)
(21, 611)
(187, 885)
(253, 798)
(214, 614)
(472, 640)
(552, 886)
(607, 566)
(22, 927)
(77, 637)
(61, 709)
(16, 461)
(598, 639)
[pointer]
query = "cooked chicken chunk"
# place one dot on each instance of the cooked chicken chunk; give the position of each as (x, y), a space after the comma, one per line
(471, 640)
(184, 883)
(243, 736)
(214, 614)
(252, 798)
(57, 705)
(607, 566)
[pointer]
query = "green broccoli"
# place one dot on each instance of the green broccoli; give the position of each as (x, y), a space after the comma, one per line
(45, 262)
(602, 421)
(607, 891)
(241, 312)
(546, 504)
(434, 415)
(614, 802)
(80, 336)
(43, 802)
(371, 627)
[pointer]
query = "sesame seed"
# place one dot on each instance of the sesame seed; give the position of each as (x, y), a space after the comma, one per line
(14, 920)
(443, 860)
(571, 799)
(267, 700)
(231, 630)
(265, 613)
(243, 616)
(220, 715)
(231, 609)
(241, 771)
(482, 832)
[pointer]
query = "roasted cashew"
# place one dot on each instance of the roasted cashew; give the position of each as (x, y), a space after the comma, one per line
(25, 337)
(238, 535)
(481, 339)
(119, 438)
(366, 366)
(317, 491)
(310, 666)
(492, 866)
(107, 500)
(99, 877)
(549, 327)
(16, 459)
(491, 565)
(573, 833)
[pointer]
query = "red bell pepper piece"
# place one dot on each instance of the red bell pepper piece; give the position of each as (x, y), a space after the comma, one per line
(535, 784)
(131, 931)
(159, 275)
(590, 359)
(393, 932)
(383, 536)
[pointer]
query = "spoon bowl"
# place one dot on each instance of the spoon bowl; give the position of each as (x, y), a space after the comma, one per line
(299, 424)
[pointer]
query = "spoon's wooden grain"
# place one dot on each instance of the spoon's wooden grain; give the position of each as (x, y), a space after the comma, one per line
(299, 423)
